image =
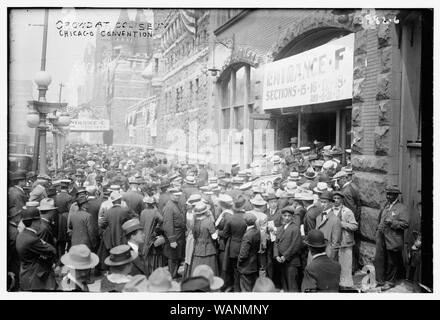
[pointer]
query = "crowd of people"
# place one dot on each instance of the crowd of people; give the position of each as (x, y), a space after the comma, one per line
(120, 219)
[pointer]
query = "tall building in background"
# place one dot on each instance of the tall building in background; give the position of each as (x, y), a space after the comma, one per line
(19, 134)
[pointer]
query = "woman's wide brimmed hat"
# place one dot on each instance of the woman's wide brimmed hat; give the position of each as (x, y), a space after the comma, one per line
(315, 239)
(120, 255)
(80, 257)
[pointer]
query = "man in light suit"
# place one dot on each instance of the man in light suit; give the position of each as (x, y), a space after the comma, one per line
(248, 257)
(330, 225)
(287, 249)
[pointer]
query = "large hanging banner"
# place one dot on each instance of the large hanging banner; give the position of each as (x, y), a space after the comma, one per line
(319, 75)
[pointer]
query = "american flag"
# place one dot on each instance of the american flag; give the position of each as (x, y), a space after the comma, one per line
(189, 19)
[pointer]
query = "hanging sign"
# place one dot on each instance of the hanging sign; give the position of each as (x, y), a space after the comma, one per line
(319, 75)
(89, 125)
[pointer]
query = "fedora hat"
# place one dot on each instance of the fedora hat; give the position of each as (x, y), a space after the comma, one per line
(120, 255)
(294, 176)
(239, 202)
(315, 239)
(31, 213)
(310, 173)
(195, 284)
(206, 271)
(47, 204)
(258, 200)
(160, 281)
(80, 257)
(321, 187)
(115, 196)
(200, 208)
(338, 193)
(393, 189)
(190, 180)
(288, 209)
(327, 195)
(131, 225)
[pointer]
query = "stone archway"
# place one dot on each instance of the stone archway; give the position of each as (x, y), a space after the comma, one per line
(349, 21)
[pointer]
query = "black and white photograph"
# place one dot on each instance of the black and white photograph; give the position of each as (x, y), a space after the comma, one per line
(218, 150)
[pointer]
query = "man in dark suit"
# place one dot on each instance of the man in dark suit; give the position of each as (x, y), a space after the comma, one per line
(287, 249)
(164, 196)
(13, 266)
(233, 232)
(248, 257)
(48, 213)
(16, 195)
(322, 274)
(174, 226)
(134, 198)
(135, 239)
(36, 255)
(274, 217)
(94, 204)
(202, 178)
(81, 225)
(63, 201)
(393, 221)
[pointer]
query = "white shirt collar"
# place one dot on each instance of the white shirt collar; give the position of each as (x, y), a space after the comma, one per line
(19, 188)
(318, 255)
(249, 227)
(286, 225)
(395, 201)
(308, 208)
(134, 246)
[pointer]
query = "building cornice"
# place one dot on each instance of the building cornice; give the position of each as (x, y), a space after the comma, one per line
(232, 21)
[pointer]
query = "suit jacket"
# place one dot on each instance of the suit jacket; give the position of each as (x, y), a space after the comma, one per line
(12, 254)
(220, 225)
(163, 199)
(348, 225)
(352, 199)
(202, 179)
(322, 274)
(93, 209)
(234, 229)
(331, 227)
(16, 198)
(138, 266)
(36, 258)
(83, 231)
(248, 255)
(288, 243)
(204, 245)
(174, 226)
(310, 219)
(46, 231)
(393, 232)
(135, 201)
(63, 200)
(112, 222)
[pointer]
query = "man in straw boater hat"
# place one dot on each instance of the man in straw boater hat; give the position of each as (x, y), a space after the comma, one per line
(287, 249)
(321, 274)
(248, 258)
(36, 256)
(174, 230)
(393, 221)
(259, 210)
(80, 261)
(233, 232)
(120, 263)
